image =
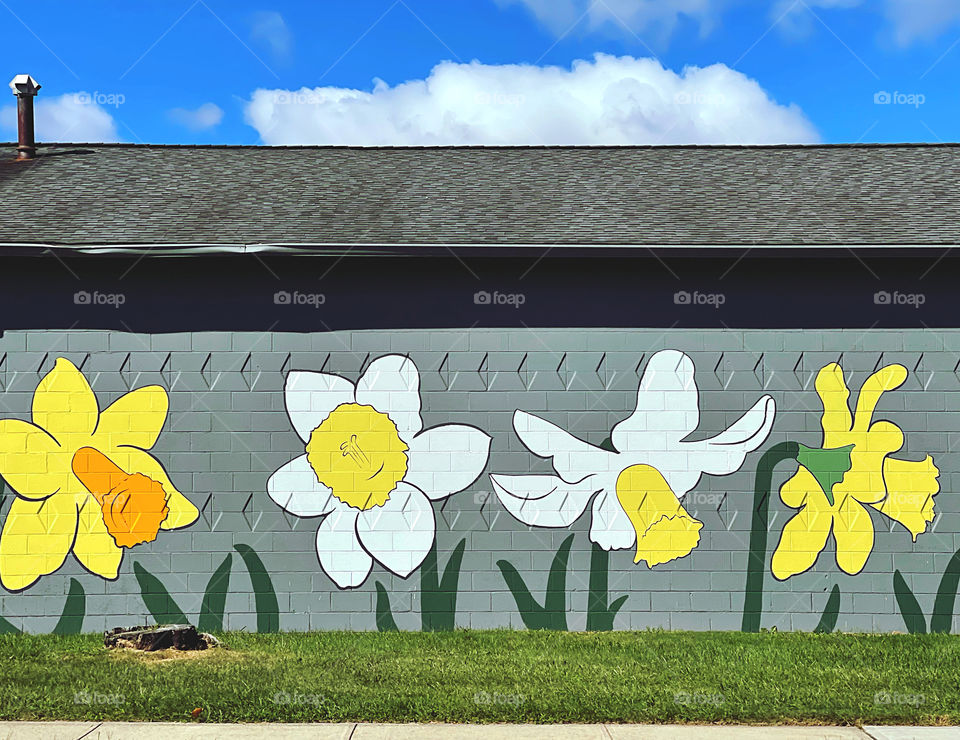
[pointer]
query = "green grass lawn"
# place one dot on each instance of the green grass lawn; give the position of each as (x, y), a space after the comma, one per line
(493, 677)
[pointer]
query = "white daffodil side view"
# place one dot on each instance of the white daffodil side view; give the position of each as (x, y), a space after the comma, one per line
(370, 469)
(637, 490)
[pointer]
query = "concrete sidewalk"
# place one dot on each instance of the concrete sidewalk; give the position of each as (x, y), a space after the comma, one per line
(351, 731)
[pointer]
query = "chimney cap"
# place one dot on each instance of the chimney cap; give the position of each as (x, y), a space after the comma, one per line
(24, 85)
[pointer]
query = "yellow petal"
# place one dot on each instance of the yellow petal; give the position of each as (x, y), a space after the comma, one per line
(802, 490)
(887, 379)
(134, 419)
(182, 512)
(911, 487)
(31, 461)
(64, 404)
(95, 548)
(665, 531)
(853, 531)
(834, 395)
(801, 542)
(864, 481)
(36, 539)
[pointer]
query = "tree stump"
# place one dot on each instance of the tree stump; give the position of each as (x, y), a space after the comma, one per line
(166, 637)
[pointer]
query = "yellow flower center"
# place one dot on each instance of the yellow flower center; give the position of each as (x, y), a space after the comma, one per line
(665, 531)
(358, 454)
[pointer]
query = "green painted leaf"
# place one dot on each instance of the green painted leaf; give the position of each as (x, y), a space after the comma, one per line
(215, 598)
(828, 621)
(74, 610)
(600, 616)
(438, 596)
(265, 598)
(553, 614)
(756, 560)
(385, 620)
(159, 602)
(909, 606)
(7, 629)
(607, 445)
(946, 601)
(827, 466)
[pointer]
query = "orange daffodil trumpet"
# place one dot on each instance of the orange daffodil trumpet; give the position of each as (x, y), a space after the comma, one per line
(637, 490)
(84, 480)
(835, 485)
(370, 469)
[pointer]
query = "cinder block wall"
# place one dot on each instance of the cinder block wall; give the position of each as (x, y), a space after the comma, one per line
(228, 431)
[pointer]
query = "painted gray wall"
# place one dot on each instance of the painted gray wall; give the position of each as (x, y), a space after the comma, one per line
(227, 432)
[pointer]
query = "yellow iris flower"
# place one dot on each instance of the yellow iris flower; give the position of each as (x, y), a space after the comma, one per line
(84, 479)
(834, 485)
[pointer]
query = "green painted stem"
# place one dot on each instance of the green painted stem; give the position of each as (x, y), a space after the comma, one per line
(385, 620)
(438, 594)
(600, 615)
(828, 621)
(756, 563)
(946, 601)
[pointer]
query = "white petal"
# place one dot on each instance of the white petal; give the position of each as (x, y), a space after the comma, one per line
(341, 555)
(447, 459)
(392, 385)
(295, 488)
(400, 533)
(573, 458)
(544, 500)
(667, 406)
(310, 397)
(723, 454)
(611, 527)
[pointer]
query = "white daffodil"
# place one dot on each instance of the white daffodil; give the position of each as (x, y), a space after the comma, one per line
(370, 469)
(636, 491)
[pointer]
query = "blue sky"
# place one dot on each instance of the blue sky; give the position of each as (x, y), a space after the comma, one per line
(190, 72)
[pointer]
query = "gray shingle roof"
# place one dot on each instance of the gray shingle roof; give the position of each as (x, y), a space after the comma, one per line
(127, 194)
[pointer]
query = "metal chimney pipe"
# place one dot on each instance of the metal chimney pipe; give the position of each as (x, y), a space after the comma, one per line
(25, 88)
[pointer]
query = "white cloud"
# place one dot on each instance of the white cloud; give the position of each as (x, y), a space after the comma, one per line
(609, 100)
(270, 29)
(206, 116)
(910, 20)
(622, 16)
(74, 117)
(915, 20)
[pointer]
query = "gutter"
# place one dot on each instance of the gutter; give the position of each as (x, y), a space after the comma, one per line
(380, 249)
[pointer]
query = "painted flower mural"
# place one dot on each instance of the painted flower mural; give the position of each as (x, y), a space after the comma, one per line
(84, 479)
(637, 489)
(370, 469)
(852, 471)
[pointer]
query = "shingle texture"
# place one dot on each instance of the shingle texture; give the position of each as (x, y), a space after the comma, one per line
(124, 194)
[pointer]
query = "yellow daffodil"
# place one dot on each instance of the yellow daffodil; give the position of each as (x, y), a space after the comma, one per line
(835, 484)
(84, 479)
